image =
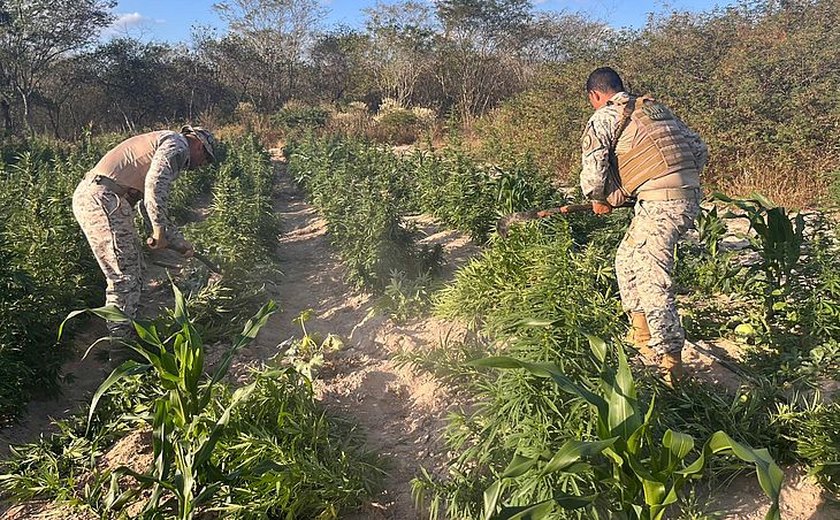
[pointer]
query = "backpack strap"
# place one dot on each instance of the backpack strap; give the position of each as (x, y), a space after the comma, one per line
(622, 124)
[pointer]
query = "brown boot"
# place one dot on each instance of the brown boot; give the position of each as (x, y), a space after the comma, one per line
(671, 367)
(639, 335)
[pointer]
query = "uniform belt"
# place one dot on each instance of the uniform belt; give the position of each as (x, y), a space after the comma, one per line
(130, 194)
(669, 194)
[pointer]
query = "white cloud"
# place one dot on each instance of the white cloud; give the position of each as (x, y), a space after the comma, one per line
(134, 24)
(126, 20)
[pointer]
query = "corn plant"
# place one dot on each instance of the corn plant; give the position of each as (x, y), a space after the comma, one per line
(706, 267)
(273, 451)
(778, 240)
(184, 431)
(636, 477)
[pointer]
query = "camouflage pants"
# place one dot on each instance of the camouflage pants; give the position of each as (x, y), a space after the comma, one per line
(108, 223)
(643, 265)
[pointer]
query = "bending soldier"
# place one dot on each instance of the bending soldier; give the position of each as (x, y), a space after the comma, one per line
(139, 169)
(634, 147)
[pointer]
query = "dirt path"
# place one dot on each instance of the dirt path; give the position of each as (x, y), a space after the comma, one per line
(402, 413)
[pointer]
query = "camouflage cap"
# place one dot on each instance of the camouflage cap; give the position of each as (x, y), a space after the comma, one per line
(204, 136)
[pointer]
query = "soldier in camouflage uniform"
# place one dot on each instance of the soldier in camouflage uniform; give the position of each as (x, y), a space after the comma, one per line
(635, 148)
(140, 169)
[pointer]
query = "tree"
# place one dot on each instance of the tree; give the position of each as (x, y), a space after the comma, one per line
(37, 33)
(401, 47)
(279, 33)
(337, 67)
(480, 43)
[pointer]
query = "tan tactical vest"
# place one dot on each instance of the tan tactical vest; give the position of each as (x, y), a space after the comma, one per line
(653, 146)
(128, 162)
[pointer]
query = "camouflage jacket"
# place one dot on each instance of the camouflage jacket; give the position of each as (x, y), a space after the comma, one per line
(597, 139)
(149, 164)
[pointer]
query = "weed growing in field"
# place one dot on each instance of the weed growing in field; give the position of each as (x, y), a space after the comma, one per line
(306, 354)
(403, 297)
(362, 191)
(814, 427)
(242, 227)
(634, 475)
(45, 265)
(265, 449)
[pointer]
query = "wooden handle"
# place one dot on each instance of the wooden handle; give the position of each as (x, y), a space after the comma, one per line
(575, 208)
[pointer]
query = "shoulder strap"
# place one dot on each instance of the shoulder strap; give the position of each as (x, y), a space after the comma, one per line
(623, 122)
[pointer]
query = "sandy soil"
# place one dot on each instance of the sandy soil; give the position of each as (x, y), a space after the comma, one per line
(402, 412)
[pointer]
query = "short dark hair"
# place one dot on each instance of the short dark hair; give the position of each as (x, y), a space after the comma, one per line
(604, 79)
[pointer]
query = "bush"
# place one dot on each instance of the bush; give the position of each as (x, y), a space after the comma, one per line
(294, 116)
(750, 79)
(46, 266)
(362, 190)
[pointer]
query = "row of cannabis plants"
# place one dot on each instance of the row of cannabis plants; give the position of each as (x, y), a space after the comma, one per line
(199, 444)
(365, 192)
(539, 293)
(46, 267)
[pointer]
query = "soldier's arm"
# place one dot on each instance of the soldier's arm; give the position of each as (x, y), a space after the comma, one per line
(165, 166)
(698, 147)
(595, 162)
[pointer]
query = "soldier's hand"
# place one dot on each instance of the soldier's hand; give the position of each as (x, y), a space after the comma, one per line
(601, 208)
(157, 241)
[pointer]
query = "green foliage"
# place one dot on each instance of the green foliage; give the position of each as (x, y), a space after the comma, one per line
(635, 476)
(403, 298)
(185, 432)
(396, 126)
(778, 238)
(264, 449)
(320, 468)
(187, 191)
(814, 428)
(60, 465)
(544, 122)
(45, 264)
(362, 191)
(306, 354)
(532, 292)
(301, 117)
(708, 268)
(242, 227)
(469, 196)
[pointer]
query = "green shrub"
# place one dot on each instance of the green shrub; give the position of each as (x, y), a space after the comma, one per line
(397, 126)
(301, 117)
(47, 267)
(362, 191)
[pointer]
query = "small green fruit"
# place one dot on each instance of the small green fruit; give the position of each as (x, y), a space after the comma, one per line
(745, 329)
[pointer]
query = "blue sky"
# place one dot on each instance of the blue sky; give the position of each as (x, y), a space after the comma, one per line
(171, 20)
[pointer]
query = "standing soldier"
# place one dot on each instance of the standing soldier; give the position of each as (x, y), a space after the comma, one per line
(139, 169)
(634, 147)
